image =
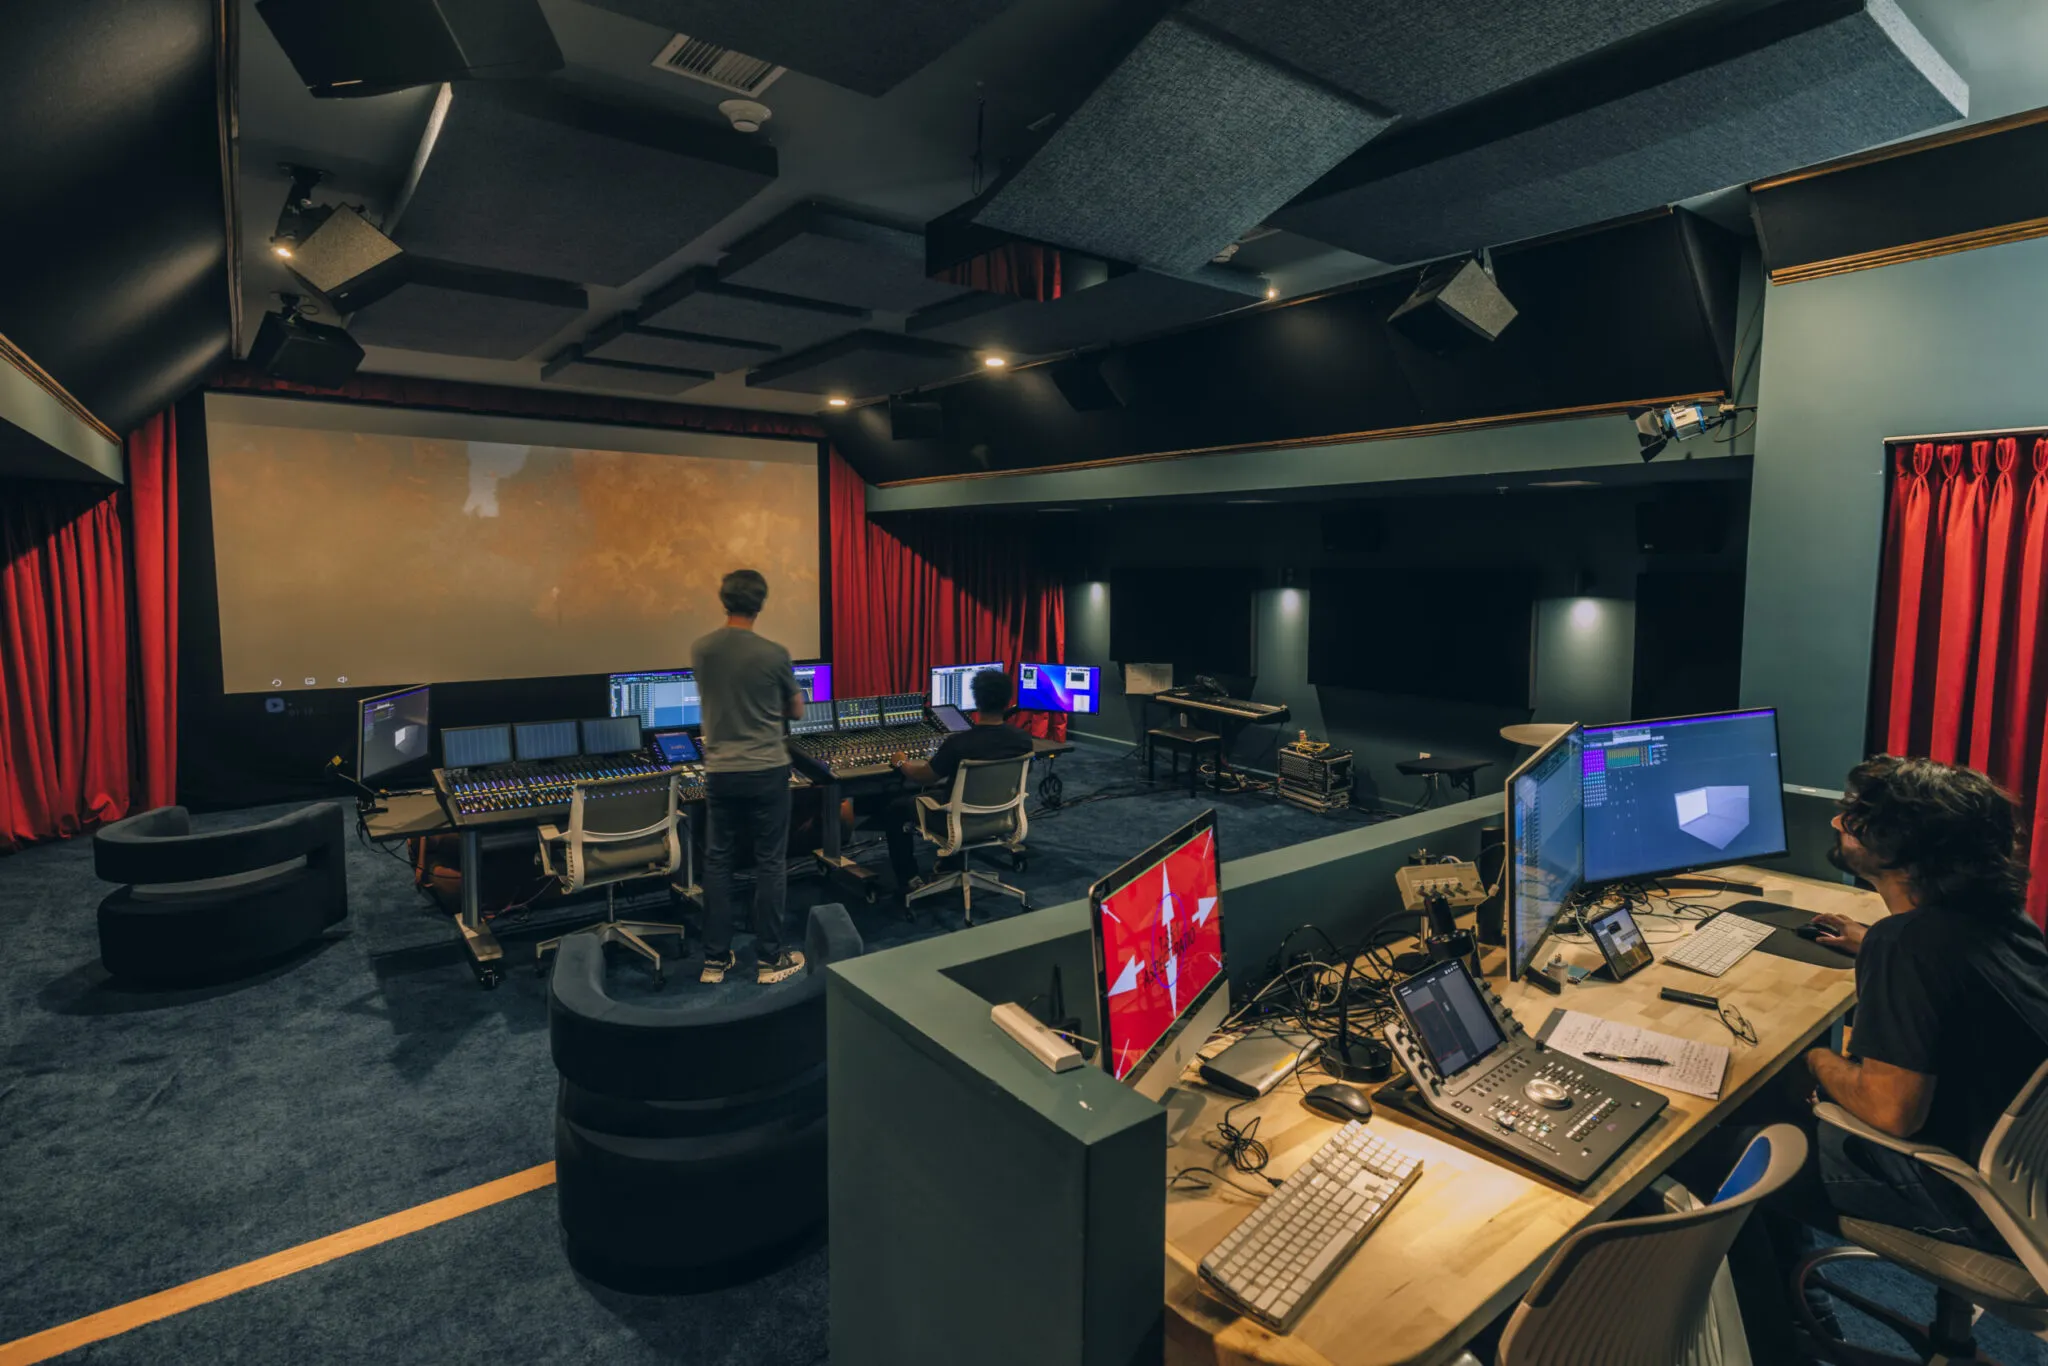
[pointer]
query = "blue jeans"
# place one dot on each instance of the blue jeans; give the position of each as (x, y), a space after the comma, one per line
(1864, 1181)
(753, 807)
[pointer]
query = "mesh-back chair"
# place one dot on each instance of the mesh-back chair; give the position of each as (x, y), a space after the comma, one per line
(1651, 1291)
(984, 810)
(2010, 1185)
(619, 829)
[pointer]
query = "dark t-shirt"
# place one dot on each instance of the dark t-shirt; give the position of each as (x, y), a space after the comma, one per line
(1963, 999)
(978, 742)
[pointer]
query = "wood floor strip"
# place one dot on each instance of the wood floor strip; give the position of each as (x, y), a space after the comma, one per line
(165, 1303)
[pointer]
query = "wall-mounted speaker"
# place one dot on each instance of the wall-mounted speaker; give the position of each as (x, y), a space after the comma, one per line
(348, 262)
(916, 418)
(372, 47)
(302, 352)
(1093, 384)
(1454, 306)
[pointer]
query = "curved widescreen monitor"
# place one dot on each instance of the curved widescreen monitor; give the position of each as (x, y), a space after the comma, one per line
(1546, 861)
(1683, 793)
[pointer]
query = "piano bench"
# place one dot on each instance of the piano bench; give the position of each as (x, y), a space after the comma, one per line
(1179, 740)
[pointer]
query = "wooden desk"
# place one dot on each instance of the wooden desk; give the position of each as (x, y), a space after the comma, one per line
(1472, 1235)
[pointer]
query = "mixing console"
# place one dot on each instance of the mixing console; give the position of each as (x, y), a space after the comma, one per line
(532, 793)
(871, 731)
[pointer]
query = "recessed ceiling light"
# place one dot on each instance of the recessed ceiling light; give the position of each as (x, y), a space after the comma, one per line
(835, 402)
(1272, 291)
(283, 249)
(994, 362)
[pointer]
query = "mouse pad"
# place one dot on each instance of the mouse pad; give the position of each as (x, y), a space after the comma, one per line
(1783, 942)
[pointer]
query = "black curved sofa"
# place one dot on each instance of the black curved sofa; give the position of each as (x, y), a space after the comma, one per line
(690, 1143)
(210, 906)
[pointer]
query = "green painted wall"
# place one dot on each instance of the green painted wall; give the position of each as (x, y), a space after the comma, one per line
(1958, 343)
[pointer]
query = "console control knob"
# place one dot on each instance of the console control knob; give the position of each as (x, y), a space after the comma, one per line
(1547, 1093)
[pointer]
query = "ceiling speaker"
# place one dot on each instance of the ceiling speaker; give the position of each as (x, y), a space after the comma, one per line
(1452, 306)
(302, 352)
(347, 262)
(372, 47)
(1093, 384)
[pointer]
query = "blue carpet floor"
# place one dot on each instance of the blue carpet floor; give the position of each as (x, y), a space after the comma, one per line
(155, 1137)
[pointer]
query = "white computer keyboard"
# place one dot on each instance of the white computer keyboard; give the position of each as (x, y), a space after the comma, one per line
(1279, 1258)
(1719, 944)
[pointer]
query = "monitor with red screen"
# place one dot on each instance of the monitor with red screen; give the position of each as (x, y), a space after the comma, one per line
(1158, 943)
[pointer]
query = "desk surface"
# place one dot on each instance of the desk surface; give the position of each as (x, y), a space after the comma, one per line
(1473, 1233)
(409, 815)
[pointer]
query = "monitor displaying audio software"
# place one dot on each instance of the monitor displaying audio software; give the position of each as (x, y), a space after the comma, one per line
(476, 746)
(611, 735)
(816, 681)
(665, 697)
(1546, 829)
(391, 732)
(1690, 792)
(858, 713)
(1059, 687)
(544, 740)
(953, 684)
(817, 717)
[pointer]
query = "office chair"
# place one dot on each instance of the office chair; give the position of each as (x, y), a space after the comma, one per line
(2007, 1185)
(984, 809)
(619, 829)
(1651, 1291)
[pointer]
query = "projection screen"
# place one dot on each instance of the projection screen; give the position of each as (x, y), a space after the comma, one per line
(358, 546)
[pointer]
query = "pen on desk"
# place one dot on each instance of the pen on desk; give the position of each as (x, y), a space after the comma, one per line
(1628, 1057)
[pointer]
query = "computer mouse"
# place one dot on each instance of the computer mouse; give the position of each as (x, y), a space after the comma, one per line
(1812, 929)
(1338, 1101)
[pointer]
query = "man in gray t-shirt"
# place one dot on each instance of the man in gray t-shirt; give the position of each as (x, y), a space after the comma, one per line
(748, 690)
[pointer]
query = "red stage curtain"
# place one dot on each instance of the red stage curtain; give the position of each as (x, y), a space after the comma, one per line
(88, 647)
(951, 592)
(1962, 656)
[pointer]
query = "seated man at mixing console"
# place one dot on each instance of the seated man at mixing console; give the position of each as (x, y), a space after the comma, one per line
(990, 737)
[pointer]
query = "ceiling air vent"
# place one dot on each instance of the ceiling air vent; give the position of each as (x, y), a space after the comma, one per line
(715, 65)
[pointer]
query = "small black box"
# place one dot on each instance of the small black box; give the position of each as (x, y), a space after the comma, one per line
(305, 352)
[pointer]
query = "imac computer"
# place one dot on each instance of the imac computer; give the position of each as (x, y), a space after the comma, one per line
(662, 699)
(611, 735)
(1686, 793)
(391, 732)
(1546, 860)
(1059, 687)
(953, 684)
(1161, 989)
(476, 746)
(816, 681)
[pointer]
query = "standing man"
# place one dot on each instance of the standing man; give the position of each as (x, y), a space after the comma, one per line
(990, 737)
(748, 690)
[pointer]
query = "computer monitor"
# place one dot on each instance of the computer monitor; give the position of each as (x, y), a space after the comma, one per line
(816, 681)
(391, 732)
(1689, 792)
(677, 747)
(953, 684)
(611, 735)
(952, 718)
(544, 740)
(664, 697)
(1159, 944)
(1446, 1016)
(476, 746)
(1546, 831)
(817, 717)
(859, 713)
(1059, 687)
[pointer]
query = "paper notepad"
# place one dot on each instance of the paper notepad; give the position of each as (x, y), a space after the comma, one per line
(1694, 1068)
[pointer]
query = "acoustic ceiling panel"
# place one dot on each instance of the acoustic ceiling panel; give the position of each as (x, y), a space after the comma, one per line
(1190, 142)
(864, 45)
(1420, 59)
(817, 252)
(456, 310)
(864, 365)
(683, 350)
(1122, 308)
(533, 180)
(1835, 87)
(697, 301)
(640, 379)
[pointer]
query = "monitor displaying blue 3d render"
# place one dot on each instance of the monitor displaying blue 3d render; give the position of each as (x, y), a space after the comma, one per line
(953, 684)
(1689, 792)
(1546, 845)
(1058, 687)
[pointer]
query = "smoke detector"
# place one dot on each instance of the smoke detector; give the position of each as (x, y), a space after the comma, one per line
(746, 115)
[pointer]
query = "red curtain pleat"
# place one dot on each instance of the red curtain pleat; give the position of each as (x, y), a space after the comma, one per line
(956, 592)
(1961, 672)
(88, 647)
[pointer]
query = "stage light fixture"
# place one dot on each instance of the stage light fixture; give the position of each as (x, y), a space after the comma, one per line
(994, 362)
(1657, 428)
(282, 249)
(1272, 292)
(835, 402)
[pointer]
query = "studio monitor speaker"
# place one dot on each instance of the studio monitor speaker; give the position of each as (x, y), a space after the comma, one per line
(302, 352)
(348, 262)
(1454, 305)
(372, 47)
